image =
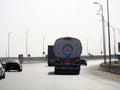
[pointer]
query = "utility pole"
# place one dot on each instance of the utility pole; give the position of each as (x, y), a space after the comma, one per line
(9, 44)
(103, 28)
(27, 42)
(43, 45)
(114, 42)
(109, 33)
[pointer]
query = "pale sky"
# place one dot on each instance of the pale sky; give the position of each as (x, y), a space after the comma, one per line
(53, 19)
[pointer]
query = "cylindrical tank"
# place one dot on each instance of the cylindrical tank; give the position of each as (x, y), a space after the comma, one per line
(67, 47)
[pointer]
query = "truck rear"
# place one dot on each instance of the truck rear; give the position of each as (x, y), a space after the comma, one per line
(67, 52)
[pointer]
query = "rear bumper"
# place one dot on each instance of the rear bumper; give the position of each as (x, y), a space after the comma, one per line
(13, 67)
(67, 67)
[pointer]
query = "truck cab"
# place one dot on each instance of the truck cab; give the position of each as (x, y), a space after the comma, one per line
(51, 56)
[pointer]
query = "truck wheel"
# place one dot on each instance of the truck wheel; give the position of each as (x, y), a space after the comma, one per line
(56, 71)
(49, 65)
(77, 72)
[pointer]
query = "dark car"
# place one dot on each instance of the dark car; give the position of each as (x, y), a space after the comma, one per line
(83, 61)
(13, 64)
(2, 71)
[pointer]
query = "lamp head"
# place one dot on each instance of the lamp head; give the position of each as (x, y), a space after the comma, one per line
(95, 2)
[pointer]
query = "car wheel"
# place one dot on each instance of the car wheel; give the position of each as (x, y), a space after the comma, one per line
(7, 70)
(19, 70)
(0, 77)
(3, 76)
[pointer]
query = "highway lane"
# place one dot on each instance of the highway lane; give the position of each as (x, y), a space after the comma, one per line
(41, 77)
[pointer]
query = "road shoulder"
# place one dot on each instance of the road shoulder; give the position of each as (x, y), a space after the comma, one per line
(95, 70)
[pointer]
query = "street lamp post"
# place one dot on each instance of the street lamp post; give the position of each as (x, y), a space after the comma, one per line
(109, 33)
(114, 42)
(87, 47)
(101, 46)
(43, 45)
(9, 44)
(27, 42)
(103, 28)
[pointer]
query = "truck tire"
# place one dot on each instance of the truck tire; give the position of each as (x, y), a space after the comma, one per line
(56, 71)
(49, 64)
(77, 72)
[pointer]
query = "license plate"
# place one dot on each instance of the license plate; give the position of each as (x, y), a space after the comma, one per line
(67, 62)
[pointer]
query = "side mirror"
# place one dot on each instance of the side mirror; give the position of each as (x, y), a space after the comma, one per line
(83, 62)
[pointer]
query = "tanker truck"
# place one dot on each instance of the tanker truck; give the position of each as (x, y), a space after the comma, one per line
(67, 51)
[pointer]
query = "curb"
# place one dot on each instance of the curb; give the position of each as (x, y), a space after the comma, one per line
(113, 68)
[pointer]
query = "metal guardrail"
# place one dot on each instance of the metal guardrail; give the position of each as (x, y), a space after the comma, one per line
(26, 59)
(44, 58)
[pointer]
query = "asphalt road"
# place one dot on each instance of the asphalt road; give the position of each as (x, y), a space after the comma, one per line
(41, 77)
